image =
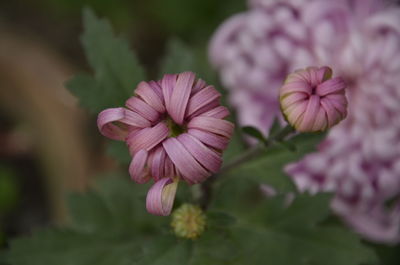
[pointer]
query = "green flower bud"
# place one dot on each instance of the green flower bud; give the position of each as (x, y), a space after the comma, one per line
(188, 221)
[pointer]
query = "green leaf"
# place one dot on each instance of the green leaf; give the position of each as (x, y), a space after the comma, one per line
(288, 145)
(254, 132)
(179, 58)
(165, 250)
(272, 233)
(116, 68)
(276, 126)
(220, 219)
(108, 226)
(268, 168)
(119, 151)
(66, 247)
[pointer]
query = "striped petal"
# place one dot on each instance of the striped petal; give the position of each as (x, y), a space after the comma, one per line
(213, 125)
(147, 138)
(160, 198)
(168, 84)
(137, 167)
(142, 108)
(204, 155)
(150, 96)
(105, 124)
(201, 99)
(180, 96)
(158, 163)
(210, 139)
(184, 161)
(331, 86)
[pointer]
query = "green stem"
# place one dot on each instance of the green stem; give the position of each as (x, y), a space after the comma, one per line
(248, 155)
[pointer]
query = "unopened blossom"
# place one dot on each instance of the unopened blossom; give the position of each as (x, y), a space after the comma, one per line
(188, 221)
(175, 130)
(360, 39)
(313, 101)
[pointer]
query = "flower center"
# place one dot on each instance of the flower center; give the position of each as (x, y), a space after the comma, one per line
(174, 129)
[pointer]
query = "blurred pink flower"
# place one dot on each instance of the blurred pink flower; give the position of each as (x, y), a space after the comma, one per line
(312, 101)
(175, 129)
(360, 39)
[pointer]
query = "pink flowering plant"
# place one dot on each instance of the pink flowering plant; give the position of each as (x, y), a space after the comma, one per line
(254, 174)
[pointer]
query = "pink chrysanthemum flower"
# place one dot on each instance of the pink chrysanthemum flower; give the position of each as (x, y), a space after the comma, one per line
(360, 159)
(175, 129)
(312, 101)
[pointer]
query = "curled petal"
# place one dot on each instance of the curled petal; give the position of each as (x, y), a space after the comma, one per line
(216, 141)
(217, 126)
(207, 157)
(142, 108)
(150, 96)
(180, 96)
(200, 84)
(202, 110)
(134, 119)
(161, 196)
(167, 84)
(184, 161)
(105, 124)
(137, 167)
(147, 138)
(310, 114)
(331, 86)
(158, 163)
(219, 112)
(201, 99)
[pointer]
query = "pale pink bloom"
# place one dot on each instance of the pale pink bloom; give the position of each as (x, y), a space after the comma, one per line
(175, 129)
(360, 39)
(313, 101)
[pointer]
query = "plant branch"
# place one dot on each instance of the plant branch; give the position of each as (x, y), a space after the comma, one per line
(248, 155)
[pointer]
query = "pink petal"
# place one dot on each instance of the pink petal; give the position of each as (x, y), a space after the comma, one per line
(184, 161)
(310, 114)
(161, 196)
(180, 96)
(207, 157)
(142, 108)
(200, 84)
(169, 168)
(219, 112)
(320, 121)
(217, 126)
(168, 84)
(331, 86)
(106, 128)
(206, 108)
(295, 112)
(292, 99)
(134, 119)
(330, 111)
(210, 139)
(201, 99)
(324, 73)
(150, 96)
(157, 89)
(296, 86)
(158, 163)
(314, 80)
(147, 138)
(137, 167)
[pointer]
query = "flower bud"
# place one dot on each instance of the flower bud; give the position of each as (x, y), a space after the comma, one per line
(188, 221)
(311, 100)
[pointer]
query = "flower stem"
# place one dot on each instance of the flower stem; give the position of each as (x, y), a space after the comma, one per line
(248, 155)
